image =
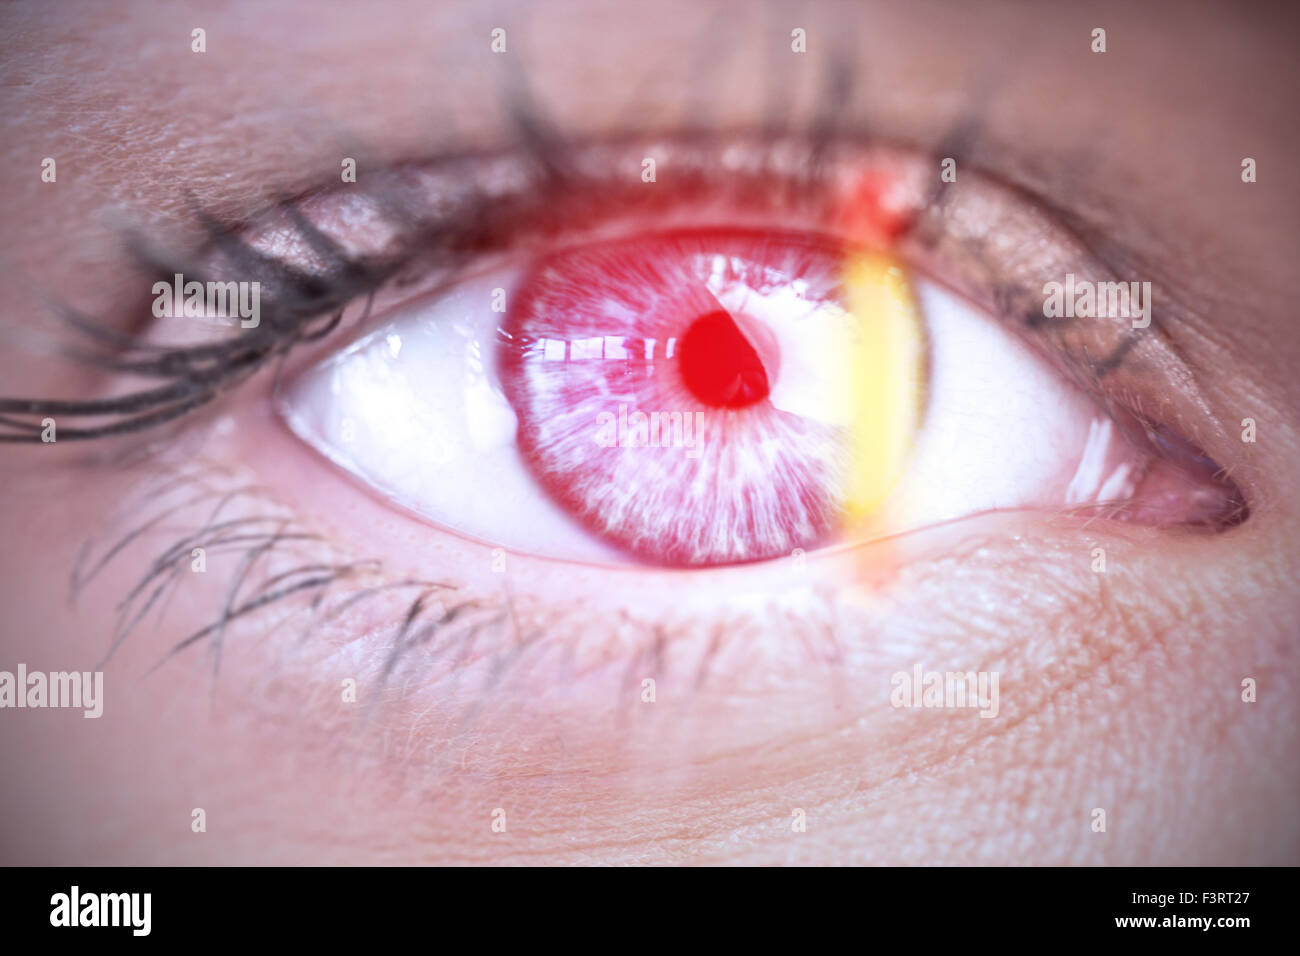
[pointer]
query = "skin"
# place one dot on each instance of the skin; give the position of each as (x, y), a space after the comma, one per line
(1120, 692)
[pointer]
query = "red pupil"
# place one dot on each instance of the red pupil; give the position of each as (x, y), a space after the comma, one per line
(719, 365)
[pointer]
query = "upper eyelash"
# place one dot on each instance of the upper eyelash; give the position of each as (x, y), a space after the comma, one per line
(306, 305)
(196, 375)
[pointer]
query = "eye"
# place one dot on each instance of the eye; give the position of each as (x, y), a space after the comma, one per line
(710, 396)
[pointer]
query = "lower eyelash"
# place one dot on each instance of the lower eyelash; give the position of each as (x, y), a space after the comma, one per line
(398, 634)
(275, 565)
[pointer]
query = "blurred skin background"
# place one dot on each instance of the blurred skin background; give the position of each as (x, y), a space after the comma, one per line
(1123, 695)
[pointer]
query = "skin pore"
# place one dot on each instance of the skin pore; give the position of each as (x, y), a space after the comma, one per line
(1119, 691)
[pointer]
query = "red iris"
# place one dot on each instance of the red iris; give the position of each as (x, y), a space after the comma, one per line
(641, 377)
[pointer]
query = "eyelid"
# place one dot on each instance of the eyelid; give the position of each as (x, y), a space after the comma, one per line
(1139, 373)
(470, 202)
(990, 242)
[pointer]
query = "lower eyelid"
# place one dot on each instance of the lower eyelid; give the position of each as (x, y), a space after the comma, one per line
(559, 652)
(564, 668)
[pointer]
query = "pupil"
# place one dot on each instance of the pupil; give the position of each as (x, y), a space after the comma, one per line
(719, 365)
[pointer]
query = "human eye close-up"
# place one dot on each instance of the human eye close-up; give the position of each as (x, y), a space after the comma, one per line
(602, 434)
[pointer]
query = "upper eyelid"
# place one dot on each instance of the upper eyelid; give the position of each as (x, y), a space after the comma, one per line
(1091, 355)
(615, 160)
(605, 161)
(286, 239)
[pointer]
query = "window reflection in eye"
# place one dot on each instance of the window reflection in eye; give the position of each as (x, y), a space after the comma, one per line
(710, 396)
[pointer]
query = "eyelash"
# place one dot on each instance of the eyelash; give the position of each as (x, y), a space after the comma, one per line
(307, 306)
(266, 534)
(195, 375)
(304, 307)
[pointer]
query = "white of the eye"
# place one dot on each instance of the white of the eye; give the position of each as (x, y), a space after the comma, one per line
(415, 411)
(1002, 429)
